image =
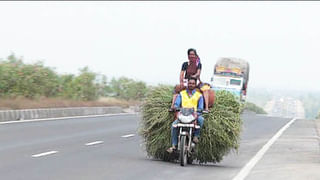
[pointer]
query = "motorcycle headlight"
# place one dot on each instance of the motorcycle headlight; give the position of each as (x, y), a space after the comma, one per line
(186, 119)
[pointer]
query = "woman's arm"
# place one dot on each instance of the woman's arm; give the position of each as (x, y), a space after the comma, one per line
(181, 77)
(197, 75)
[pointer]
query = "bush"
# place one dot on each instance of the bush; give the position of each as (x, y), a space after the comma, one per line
(28, 80)
(254, 108)
(126, 88)
(35, 80)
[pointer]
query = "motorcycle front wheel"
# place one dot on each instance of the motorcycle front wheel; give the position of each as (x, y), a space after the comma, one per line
(190, 160)
(183, 153)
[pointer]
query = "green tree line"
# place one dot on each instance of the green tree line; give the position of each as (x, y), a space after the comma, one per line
(36, 80)
(311, 103)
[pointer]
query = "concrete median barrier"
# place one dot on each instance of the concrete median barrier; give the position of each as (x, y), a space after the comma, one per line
(14, 115)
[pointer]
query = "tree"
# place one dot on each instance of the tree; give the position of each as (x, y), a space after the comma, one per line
(86, 88)
(126, 88)
(28, 80)
(34, 80)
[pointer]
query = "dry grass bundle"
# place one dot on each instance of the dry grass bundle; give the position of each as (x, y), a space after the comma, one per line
(219, 135)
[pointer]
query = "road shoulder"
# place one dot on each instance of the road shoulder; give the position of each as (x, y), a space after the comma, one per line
(295, 155)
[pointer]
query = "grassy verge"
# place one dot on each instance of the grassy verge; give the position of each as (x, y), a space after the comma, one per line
(43, 102)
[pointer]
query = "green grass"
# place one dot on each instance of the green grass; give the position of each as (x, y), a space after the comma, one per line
(219, 135)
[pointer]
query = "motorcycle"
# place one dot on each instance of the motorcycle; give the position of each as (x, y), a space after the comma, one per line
(187, 123)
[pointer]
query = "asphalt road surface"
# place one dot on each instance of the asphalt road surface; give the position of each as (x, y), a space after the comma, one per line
(110, 148)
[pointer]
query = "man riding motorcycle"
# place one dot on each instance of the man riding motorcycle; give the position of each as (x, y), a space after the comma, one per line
(189, 98)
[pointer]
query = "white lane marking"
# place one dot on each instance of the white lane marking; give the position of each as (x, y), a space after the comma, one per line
(248, 167)
(45, 154)
(65, 118)
(128, 135)
(94, 143)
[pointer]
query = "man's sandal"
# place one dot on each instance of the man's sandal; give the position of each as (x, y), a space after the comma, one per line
(171, 149)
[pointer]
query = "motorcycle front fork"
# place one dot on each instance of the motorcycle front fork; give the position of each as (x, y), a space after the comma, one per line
(189, 135)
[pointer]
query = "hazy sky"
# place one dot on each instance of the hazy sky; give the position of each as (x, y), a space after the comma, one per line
(148, 41)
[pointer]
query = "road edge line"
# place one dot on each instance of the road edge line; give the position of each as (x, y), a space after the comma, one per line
(253, 161)
(65, 118)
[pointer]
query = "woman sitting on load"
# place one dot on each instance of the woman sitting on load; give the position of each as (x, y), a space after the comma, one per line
(191, 68)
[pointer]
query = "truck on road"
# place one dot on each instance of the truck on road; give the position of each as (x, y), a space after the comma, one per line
(231, 74)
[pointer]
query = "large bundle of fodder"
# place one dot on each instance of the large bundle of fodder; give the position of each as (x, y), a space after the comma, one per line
(221, 131)
(219, 135)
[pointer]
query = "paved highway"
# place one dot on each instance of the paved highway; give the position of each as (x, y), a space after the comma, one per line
(110, 148)
(285, 107)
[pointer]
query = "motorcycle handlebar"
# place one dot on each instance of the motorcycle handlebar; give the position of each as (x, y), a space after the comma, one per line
(198, 110)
